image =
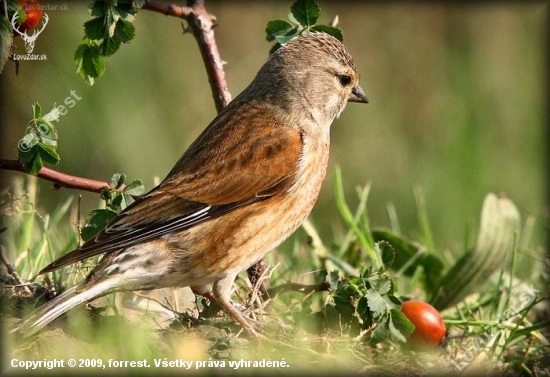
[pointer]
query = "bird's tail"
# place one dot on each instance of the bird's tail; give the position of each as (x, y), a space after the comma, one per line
(62, 304)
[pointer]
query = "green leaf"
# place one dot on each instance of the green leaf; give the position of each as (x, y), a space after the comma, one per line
(34, 166)
(335, 32)
(381, 332)
(117, 180)
(399, 325)
(48, 154)
(135, 188)
(98, 9)
(277, 27)
(385, 250)
(6, 40)
(306, 12)
(376, 303)
(92, 63)
(97, 220)
(109, 46)
(94, 29)
(26, 146)
(116, 201)
(124, 31)
(383, 285)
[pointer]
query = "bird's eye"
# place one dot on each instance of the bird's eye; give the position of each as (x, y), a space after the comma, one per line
(345, 80)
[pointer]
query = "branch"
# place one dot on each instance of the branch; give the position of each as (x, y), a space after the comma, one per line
(201, 24)
(59, 179)
(168, 10)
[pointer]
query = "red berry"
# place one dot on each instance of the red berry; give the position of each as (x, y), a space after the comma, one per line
(33, 10)
(429, 329)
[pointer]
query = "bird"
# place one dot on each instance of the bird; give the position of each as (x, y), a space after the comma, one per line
(241, 188)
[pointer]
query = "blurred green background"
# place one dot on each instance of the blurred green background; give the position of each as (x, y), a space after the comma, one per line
(457, 95)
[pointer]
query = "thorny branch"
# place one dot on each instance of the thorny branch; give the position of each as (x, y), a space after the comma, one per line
(59, 179)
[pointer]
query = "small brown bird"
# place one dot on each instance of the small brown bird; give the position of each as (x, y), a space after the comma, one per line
(244, 186)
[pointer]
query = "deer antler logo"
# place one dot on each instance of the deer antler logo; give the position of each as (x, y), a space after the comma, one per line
(29, 40)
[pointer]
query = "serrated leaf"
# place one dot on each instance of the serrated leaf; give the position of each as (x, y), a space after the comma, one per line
(109, 46)
(98, 9)
(334, 31)
(399, 325)
(94, 29)
(48, 154)
(135, 188)
(6, 40)
(384, 285)
(277, 27)
(79, 60)
(97, 220)
(92, 63)
(385, 250)
(376, 303)
(45, 129)
(78, 55)
(306, 12)
(124, 31)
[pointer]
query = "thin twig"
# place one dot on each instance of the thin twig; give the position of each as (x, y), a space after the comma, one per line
(59, 179)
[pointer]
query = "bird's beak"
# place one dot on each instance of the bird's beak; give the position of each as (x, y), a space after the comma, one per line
(357, 95)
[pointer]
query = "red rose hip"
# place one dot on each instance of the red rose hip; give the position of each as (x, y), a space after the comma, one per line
(429, 329)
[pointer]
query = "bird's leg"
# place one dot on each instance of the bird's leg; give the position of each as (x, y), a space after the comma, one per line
(221, 292)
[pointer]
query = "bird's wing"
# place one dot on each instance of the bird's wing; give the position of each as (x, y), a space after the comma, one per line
(225, 169)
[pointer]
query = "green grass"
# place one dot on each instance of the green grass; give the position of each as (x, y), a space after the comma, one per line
(309, 331)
